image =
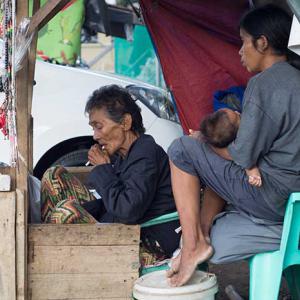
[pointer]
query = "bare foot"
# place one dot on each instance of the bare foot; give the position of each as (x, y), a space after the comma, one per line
(188, 263)
(175, 262)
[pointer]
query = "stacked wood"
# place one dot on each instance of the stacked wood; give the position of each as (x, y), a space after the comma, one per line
(82, 261)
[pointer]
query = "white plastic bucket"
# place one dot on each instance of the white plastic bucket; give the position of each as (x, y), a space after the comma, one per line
(154, 286)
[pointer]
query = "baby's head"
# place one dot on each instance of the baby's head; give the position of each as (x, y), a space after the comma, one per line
(219, 129)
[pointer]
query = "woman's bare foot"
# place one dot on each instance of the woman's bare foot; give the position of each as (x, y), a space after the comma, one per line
(175, 262)
(188, 263)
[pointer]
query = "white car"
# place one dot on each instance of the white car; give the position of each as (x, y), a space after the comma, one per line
(61, 131)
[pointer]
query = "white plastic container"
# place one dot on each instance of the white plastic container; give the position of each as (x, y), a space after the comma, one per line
(154, 286)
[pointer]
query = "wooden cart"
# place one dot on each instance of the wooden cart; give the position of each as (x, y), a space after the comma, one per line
(56, 261)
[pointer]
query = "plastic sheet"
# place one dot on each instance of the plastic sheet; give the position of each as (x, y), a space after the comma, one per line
(23, 41)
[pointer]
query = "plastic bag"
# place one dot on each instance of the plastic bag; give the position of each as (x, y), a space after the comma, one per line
(34, 187)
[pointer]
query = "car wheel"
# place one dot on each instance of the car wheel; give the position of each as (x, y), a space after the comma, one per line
(73, 159)
(71, 153)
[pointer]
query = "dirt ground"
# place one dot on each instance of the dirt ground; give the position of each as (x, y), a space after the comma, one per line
(237, 274)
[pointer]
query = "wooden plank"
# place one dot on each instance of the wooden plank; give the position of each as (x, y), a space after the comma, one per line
(22, 120)
(22, 115)
(31, 72)
(32, 58)
(7, 246)
(98, 298)
(46, 13)
(83, 234)
(83, 259)
(81, 286)
(21, 245)
(80, 172)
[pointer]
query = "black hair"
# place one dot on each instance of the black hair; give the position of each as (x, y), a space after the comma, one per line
(274, 23)
(218, 130)
(117, 102)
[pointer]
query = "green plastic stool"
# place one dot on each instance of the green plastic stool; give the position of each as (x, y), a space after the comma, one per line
(266, 269)
(159, 220)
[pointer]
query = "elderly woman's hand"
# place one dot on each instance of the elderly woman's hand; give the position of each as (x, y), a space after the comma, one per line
(98, 156)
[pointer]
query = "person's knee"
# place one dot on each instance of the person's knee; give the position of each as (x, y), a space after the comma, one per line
(51, 173)
(223, 242)
(221, 254)
(216, 260)
(48, 173)
(224, 254)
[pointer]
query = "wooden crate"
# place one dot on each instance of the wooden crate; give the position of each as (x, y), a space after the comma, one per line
(82, 261)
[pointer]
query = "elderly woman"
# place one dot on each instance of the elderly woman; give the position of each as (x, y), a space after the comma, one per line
(131, 178)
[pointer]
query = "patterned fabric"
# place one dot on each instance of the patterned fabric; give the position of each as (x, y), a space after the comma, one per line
(69, 212)
(61, 197)
(148, 258)
(151, 252)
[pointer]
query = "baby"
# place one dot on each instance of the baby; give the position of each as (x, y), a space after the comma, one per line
(219, 129)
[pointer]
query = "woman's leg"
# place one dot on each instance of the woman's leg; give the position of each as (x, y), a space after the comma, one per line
(212, 205)
(58, 187)
(69, 212)
(186, 189)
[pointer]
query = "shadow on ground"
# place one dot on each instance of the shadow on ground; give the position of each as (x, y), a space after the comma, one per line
(237, 274)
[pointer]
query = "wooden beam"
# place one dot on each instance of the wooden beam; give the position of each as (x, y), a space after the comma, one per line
(7, 246)
(46, 13)
(22, 119)
(32, 57)
(31, 72)
(21, 244)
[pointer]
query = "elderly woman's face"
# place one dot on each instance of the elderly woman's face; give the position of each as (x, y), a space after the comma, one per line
(107, 133)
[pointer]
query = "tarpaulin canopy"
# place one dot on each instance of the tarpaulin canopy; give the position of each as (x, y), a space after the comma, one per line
(197, 42)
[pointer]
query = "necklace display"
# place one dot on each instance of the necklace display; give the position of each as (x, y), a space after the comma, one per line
(7, 83)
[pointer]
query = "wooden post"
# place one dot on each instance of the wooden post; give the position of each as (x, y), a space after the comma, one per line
(23, 119)
(7, 246)
(31, 72)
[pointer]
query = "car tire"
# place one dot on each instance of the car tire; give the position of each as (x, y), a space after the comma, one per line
(71, 153)
(73, 159)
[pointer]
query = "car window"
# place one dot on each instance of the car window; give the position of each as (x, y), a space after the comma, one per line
(157, 101)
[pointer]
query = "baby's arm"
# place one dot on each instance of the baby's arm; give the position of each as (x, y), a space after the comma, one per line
(254, 176)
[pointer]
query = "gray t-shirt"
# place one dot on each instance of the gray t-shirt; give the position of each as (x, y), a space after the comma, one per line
(269, 133)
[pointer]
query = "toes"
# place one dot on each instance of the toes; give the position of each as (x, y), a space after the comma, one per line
(179, 279)
(173, 281)
(170, 272)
